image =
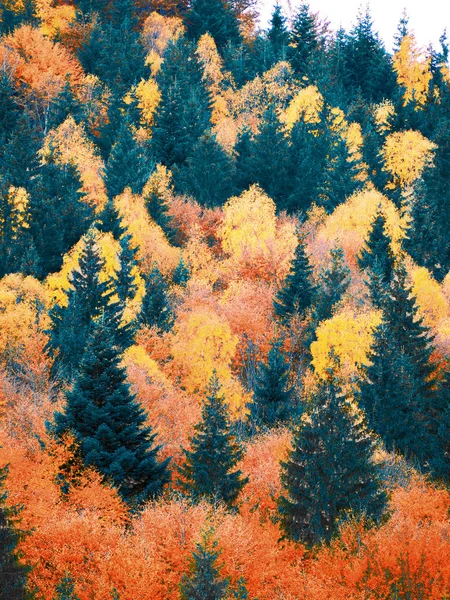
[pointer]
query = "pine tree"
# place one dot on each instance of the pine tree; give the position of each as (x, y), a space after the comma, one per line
(87, 299)
(64, 105)
(127, 164)
(278, 35)
(204, 581)
(9, 109)
(209, 467)
(332, 285)
(296, 295)
(13, 574)
(65, 589)
(329, 471)
(209, 173)
(158, 209)
(272, 395)
(304, 40)
(378, 259)
(110, 221)
(184, 113)
(108, 423)
(156, 310)
(402, 30)
(126, 285)
(215, 17)
(244, 149)
(182, 273)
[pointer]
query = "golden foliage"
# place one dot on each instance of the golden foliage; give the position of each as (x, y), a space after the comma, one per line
(413, 71)
(18, 206)
(69, 145)
(306, 105)
(383, 115)
(157, 32)
(406, 155)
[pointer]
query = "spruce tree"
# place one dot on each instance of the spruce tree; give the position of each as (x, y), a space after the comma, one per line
(278, 35)
(272, 394)
(127, 165)
(156, 310)
(304, 40)
(215, 17)
(110, 220)
(158, 209)
(296, 295)
(209, 470)
(184, 112)
(333, 282)
(181, 274)
(378, 260)
(208, 174)
(108, 423)
(65, 590)
(329, 471)
(64, 105)
(126, 285)
(204, 581)
(13, 574)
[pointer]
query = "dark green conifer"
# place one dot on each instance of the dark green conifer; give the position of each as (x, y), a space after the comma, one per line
(110, 220)
(215, 17)
(65, 590)
(273, 398)
(334, 280)
(127, 165)
(156, 310)
(64, 105)
(378, 260)
(184, 112)
(304, 40)
(278, 35)
(126, 285)
(209, 470)
(203, 580)
(244, 149)
(158, 209)
(296, 295)
(182, 273)
(13, 574)
(209, 173)
(329, 472)
(108, 423)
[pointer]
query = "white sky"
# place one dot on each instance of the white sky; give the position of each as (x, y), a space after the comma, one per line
(427, 18)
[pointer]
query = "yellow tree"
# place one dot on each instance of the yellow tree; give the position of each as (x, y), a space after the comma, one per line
(413, 71)
(406, 155)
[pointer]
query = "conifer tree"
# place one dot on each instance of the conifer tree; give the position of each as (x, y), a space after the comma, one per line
(215, 17)
(158, 209)
(204, 581)
(156, 310)
(126, 285)
(278, 35)
(64, 105)
(9, 109)
(13, 574)
(108, 423)
(304, 40)
(209, 470)
(244, 149)
(182, 273)
(272, 394)
(329, 471)
(65, 590)
(127, 164)
(378, 259)
(332, 285)
(184, 112)
(110, 220)
(296, 295)
(209, 173)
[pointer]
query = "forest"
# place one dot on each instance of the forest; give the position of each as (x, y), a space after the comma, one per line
(224, 305)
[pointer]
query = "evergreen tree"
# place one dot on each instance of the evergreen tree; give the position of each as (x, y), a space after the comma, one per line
(156, 310)
(158, 209)
(65, 589)
(215, 17)
(13, 574)
(296, 295)
(244, 149)
(204, 581)
(209, 173)
(304, 40)
(272, 395)
(184, 112)
(108, 423)
(59, 214)
(110, 220)
(9, 109)
(278, 35)
(126, 285)
(402, 30)
(20, 161)
(341, 174)
(87, 299)
(377, 259)
(182, 273)
(329, 471)
(127, 164)
(208, 471)
(64, 105)
(332, 285)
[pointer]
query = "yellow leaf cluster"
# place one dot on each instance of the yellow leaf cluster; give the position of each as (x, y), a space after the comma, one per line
(406, 154)
(20, 299)
(69, 145)
(349, 338)
(203, 343)
(147, 236)
(159, 183)
(137, 356)
(349, 224)
(306, 105)
(383, 115)
(56, 18)
(433, 305)
(157, 32)
(413, 71)
(19, 201)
